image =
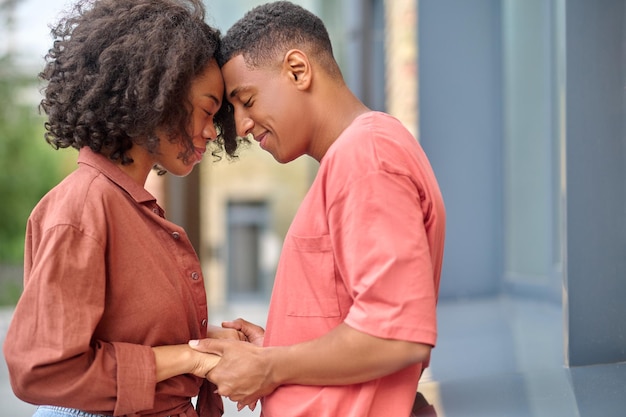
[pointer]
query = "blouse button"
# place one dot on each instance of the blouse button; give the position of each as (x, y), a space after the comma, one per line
(176, 235)
(155, 210)
(195, 276)
(204, 323)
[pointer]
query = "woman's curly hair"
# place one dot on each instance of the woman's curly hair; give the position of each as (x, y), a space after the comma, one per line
(120, 69)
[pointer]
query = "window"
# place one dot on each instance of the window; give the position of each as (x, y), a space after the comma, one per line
(248, 274)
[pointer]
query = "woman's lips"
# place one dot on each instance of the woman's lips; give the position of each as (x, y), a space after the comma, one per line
(199, 153)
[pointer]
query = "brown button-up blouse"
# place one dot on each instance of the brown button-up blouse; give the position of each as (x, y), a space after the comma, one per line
(106, 278)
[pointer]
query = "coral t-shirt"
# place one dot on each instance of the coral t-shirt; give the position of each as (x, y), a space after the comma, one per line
(365, 249)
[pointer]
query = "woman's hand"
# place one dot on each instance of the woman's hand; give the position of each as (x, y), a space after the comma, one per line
(244, 372)
(204, 363)
(177, 360)
(215, 332)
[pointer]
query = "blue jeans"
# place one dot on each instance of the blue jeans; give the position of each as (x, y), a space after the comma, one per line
(51, 411)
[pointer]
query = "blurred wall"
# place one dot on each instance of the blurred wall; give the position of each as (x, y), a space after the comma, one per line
(460, 99)
(595, 287)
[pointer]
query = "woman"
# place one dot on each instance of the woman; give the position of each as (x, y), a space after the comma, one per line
(113, 291)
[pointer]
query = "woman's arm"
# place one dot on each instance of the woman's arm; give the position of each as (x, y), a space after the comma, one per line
(181, 359)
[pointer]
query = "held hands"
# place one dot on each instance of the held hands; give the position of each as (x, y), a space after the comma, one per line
(203, 363)
(233, 330)
(243, 373)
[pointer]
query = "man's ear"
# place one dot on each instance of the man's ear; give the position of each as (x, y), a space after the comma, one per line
(298, 67)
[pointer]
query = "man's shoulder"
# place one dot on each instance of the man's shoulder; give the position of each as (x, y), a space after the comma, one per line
(374, 140)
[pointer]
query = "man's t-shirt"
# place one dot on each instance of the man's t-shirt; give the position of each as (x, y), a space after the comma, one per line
(365, 249)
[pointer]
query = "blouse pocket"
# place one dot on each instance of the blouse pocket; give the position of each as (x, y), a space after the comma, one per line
(310, 274)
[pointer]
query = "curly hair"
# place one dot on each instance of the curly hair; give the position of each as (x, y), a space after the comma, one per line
(266, 32)
(120, 69)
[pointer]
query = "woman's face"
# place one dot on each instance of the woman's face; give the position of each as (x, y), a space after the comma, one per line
(205, 96)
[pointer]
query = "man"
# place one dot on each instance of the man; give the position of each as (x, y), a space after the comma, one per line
(352, 317)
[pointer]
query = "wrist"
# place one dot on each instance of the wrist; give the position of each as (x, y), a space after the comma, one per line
(172, 361)
(278, 368)
(190, 359)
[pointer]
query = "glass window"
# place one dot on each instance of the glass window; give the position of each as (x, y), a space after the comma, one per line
(247, 226)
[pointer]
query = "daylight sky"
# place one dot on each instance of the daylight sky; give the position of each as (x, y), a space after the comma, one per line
(33, 17)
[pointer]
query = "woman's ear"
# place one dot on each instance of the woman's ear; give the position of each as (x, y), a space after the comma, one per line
(298, 67)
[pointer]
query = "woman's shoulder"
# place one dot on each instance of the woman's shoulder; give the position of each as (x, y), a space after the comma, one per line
(79, 196)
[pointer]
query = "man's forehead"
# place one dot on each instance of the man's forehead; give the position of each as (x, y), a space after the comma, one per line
(238, 76)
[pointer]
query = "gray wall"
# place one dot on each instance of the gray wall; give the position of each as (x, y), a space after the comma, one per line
(461, 131)
(596, 174)
(522, 115)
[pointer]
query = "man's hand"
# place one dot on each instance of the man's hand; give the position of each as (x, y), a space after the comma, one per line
(244, 372)
(253, 333)
(204, 364)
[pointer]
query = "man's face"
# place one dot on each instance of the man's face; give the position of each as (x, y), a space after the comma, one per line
(268, 106)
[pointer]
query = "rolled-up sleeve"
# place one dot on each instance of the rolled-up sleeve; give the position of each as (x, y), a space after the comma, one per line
(49, 348)
(136, 378)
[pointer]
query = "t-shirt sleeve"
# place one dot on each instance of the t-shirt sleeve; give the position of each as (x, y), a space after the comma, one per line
(383, 257)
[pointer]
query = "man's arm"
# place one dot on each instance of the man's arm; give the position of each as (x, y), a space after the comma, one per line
(343, 356)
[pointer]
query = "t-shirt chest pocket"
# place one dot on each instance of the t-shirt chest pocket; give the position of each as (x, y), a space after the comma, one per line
(310, 272)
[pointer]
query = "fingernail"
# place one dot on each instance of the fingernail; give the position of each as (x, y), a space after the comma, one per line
(194, 342)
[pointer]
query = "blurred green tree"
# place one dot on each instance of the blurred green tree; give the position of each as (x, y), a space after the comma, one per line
(28, 166)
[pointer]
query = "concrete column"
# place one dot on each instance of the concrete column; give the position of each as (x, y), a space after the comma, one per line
(402, 62)
(595, 284)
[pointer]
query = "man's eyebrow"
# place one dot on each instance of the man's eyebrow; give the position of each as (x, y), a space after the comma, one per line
(237, 90)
